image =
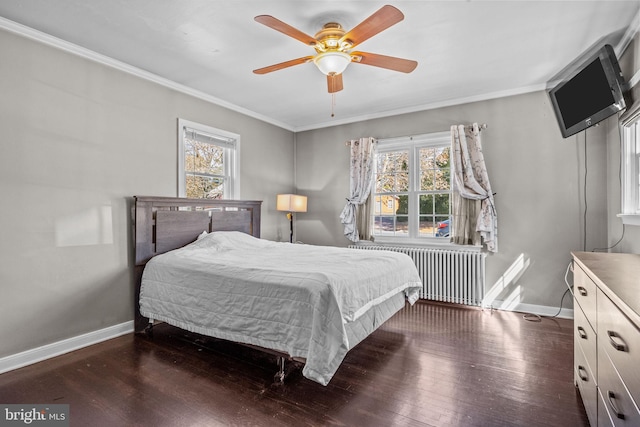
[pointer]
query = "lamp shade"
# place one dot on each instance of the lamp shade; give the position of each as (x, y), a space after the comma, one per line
(333, 62)
(291, 203)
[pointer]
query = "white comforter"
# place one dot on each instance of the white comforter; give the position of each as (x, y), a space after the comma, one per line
(286, 297)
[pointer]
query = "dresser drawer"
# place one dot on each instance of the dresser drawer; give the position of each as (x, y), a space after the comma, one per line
(604, 419)
(614, 397)
(585, 337)
(621, 341)
(584, 292)
(586, 382)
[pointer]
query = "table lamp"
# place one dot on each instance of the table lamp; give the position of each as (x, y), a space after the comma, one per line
(291, 203)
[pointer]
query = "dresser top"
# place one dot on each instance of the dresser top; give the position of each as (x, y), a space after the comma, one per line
(617, 275)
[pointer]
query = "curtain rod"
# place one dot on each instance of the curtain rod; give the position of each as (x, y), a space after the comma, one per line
(480, 126)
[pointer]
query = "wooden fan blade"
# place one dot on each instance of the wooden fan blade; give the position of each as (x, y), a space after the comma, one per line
(282, 65)
(388, 62)
(385, 17)
(334, 83)
(284, 28)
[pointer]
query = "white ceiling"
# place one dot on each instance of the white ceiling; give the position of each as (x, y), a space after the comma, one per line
(466, 50)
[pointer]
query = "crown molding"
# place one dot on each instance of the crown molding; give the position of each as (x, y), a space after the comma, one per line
(628, 36)
(632, 31)
(425, 107)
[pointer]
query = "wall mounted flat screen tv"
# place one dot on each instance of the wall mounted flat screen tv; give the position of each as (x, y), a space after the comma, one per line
(589, 94)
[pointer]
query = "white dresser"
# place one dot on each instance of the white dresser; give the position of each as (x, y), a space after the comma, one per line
(606, 290)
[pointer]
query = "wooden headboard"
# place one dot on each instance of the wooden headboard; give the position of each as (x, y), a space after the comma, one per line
(162, 224)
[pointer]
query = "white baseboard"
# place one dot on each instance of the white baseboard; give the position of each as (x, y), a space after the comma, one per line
(48, 351)
(541, 310)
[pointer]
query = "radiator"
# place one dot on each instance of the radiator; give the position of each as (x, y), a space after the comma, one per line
(447, 275)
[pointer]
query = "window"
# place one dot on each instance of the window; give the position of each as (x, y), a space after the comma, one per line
(207, 162)
(412, 188)
(631, 171)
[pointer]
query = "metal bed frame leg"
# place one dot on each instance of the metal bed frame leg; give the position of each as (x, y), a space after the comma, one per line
(148, 331)
(279, 376)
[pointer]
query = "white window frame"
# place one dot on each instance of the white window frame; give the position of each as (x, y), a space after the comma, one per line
(229, 140)
(413, 144)
(630, 170)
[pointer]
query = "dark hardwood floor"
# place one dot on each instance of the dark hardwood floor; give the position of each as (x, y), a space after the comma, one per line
(430, 365)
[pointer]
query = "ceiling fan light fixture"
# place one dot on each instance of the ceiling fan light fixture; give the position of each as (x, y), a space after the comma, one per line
(332, 62)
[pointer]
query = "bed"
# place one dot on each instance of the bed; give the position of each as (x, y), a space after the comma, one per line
(202, 267)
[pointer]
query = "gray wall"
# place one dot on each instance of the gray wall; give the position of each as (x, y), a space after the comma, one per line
(538, 177)
(630, 243)
(77, 141)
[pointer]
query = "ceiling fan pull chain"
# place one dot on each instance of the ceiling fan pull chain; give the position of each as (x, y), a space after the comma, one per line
(333, 104)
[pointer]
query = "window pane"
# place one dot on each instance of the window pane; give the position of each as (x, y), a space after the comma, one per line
(442, 157)
(427, 226)
(203, 158)
(443, 225)
(426, 157)
(426, 204)
(383, 183)
(392, 172)
(402, 225)
(427, 180)
(402, 204)
(204, 187)
(442, 169)
(434, 168)
(441, 204)
(402, 182)
(383, 226)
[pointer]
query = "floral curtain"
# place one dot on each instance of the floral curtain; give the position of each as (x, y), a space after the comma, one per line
(360, 181)
(474, 215)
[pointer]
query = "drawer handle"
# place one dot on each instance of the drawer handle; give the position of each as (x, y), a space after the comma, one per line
(582, 291)
(582, 333)
(612, 397)
(620, 346)
(583, 376)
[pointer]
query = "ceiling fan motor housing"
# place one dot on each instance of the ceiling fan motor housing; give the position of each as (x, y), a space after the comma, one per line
(328, 38)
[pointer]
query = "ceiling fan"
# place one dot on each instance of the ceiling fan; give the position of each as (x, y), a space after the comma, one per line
(333, 46)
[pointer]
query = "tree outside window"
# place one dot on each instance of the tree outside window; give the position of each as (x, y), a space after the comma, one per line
(204, 168)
